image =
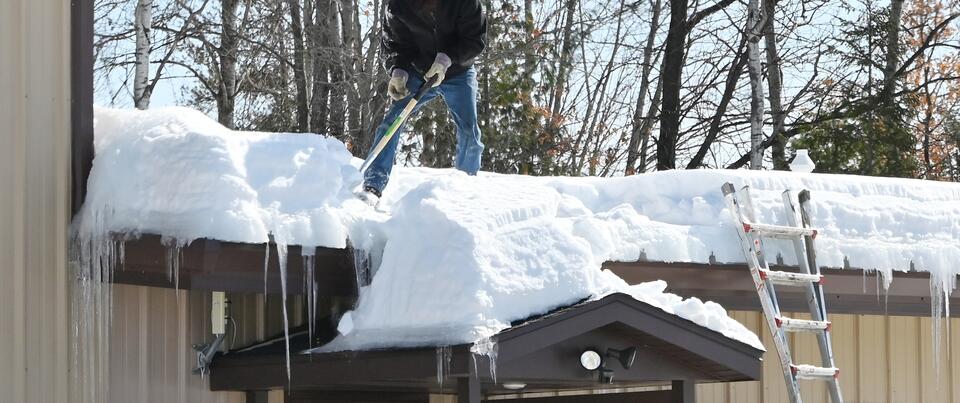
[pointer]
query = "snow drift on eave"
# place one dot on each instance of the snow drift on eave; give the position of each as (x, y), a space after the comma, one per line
(460, 257)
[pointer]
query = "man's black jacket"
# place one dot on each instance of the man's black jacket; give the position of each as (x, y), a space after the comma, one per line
(414, 33)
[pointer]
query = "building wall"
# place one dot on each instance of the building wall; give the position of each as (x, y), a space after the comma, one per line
(882, 359)
(34, 200)
(153, 331)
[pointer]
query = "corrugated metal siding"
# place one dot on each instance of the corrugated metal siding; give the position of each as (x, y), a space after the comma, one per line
(34, 200)
(154, 329)
(883, 359)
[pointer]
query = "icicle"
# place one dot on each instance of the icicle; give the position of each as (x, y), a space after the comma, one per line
(310, 291)
(282, 259)
(174, 260)
(361, 268)
(94, 256)
(444, 357)
(941, 285)
(487, 347)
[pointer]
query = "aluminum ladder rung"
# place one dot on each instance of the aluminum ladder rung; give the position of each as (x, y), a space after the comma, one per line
(790, 278)
(801, 325)
(805, 371)
(779, 231)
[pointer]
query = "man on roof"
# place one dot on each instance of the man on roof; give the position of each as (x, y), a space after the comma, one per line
(423, 39)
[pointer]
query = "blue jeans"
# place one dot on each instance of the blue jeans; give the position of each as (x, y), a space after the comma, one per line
(460, 94)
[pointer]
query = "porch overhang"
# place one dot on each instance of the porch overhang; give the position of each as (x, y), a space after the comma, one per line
(542, 353)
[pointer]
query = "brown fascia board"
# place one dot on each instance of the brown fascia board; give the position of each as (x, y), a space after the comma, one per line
(207, 264)
(238, 267)
(851, 291)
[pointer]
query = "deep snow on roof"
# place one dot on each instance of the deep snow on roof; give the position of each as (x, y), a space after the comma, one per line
(459, 257)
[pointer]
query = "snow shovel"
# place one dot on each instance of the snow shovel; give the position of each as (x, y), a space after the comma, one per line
(397, 123)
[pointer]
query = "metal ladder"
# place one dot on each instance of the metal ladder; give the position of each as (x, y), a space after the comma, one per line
(809, 278)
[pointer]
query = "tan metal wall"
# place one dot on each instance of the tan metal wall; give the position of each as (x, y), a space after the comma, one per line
(153, 330)
(883, 359)
(34, 200)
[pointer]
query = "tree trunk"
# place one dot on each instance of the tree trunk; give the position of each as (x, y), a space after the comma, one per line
(633, 149)
(563, 68)
(775, 86)
(335, 54)
(672, 74)
(141, 81)
(756, 87)
(893, 49)
(350, 21)
(319, 103)
(299, 74)
(647, 127)
(227, 53)
(529, 62)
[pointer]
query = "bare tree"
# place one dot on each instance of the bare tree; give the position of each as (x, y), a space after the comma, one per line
(754, 25)
(774, 86)
(141, 80)
(637, 134)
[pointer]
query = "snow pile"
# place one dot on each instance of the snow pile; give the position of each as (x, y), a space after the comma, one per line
(465, 256)
(461, 257)
(176, 172)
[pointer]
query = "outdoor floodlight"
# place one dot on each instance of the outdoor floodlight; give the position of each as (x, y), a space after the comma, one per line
(590, 360)
(626, 356)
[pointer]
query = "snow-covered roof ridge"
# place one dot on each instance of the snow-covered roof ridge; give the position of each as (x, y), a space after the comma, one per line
(459, 257)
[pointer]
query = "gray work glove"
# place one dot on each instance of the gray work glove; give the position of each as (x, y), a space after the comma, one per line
(397, 88)
(439, 68)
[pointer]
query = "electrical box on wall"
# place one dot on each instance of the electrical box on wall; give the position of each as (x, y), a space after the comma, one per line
(218, 312)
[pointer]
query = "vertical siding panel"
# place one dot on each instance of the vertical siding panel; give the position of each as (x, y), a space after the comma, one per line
(745, 391)
(712, 392)
(807, 351)
(846, 351)
(873, 361)
(954, 346)
(276, 396)
(12, 359)
(151, 354)
(934, 370)
(774, 389)
(904, 364)
(34, 201)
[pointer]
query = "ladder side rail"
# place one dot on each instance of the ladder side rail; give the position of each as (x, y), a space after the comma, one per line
(815, 292)
(769, 309)
(756, 241)
(802, 247)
